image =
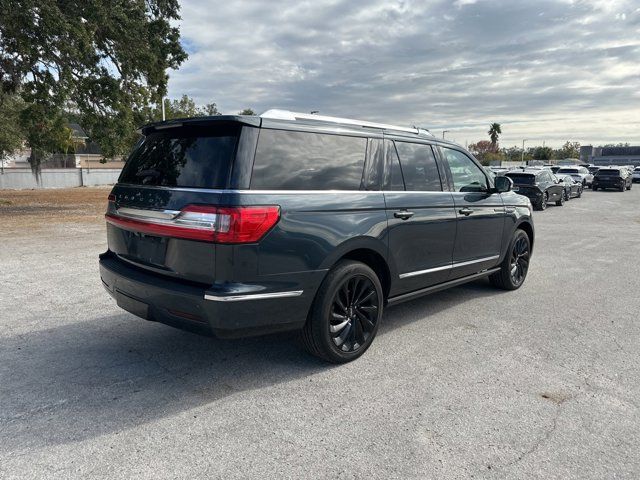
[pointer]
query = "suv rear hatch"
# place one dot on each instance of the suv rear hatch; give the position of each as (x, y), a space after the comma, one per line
(170, 208)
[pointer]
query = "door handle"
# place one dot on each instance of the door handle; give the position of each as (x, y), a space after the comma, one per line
(466, 211)
(403, 214)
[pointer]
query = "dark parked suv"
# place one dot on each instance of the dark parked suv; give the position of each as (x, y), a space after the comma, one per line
(612, 177)
(540, 186)
(244, 225)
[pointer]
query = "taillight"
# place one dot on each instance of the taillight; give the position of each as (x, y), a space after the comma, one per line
(111, 197)
(206, 223)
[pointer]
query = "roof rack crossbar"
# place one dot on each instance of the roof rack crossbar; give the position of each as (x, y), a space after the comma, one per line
(277, 114)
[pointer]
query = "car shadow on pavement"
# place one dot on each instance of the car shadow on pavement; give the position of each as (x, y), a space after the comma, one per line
(108, 374)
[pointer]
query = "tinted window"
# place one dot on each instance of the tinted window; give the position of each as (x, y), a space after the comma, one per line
(467, 176)
(288, 160)
(419, 167)
(183, 157)
(393, 173)
(374, 165)
(608, 173)
(569, 170)
(522, 178)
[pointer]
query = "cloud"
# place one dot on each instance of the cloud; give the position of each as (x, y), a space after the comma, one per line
(547, 70)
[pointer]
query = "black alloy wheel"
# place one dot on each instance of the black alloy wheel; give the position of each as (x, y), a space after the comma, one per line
(346, 313)
(354, 313)
(519, 260)
(560, 201)
(514, 267)
(543, 201)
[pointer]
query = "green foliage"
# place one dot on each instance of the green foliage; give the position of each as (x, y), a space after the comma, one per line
(186, 107)
(11, 135)
(486, 152)
(247, 111)
(542, 153)
(105, 61)
(495, 129)
(568, 150)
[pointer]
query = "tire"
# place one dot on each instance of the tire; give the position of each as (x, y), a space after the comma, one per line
(623, 188)
(517, 257)
(579, 193)
(542, 204)
(345, 314)
(629, 187)
(594, 188)
(560, 201)
(567, 196)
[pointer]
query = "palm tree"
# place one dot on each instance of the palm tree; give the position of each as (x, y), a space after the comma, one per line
(494, 132)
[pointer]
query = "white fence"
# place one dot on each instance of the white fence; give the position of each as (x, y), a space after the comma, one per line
(19, 178)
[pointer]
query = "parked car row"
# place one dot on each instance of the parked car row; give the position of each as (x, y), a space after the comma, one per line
(540, 183)
(542, 187)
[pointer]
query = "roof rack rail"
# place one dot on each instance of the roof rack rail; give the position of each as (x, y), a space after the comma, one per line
(277, 114)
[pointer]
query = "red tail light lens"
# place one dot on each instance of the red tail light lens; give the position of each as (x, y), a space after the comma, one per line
(206, 223)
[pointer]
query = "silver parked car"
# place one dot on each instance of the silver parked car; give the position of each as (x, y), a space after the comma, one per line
(577, 173)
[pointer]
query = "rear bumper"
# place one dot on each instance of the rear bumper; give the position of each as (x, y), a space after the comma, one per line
(609, 184)
(225, 310)
(534, 195)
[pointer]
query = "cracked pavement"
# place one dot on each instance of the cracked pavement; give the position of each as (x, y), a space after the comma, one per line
(466, 383)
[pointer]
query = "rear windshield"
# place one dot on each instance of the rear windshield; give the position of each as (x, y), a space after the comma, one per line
(189, 156)
(287, 160)
(607, 173)
(568, 170)
(522, 178)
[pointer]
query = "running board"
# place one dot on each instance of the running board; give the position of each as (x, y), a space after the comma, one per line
(441, 286)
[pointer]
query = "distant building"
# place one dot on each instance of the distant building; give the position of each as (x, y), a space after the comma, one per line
(610, 155)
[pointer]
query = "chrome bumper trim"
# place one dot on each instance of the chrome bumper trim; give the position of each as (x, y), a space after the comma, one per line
(252, 296)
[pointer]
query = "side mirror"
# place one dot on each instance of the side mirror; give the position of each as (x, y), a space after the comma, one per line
(503, 184)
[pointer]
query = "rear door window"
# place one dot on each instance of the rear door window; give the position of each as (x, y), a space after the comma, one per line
(419, 167)
(288, 160)
(392, 173)
(187, 156)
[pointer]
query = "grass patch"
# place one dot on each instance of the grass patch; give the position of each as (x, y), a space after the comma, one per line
(5, 202)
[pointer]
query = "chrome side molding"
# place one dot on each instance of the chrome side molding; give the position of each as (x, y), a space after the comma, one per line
(448, 267)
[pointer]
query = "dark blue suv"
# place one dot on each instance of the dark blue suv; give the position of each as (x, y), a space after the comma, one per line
(238, 226)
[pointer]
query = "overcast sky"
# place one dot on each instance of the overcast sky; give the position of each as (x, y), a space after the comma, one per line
(546, 70)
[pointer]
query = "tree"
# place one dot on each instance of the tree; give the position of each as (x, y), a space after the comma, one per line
(247, 111)
(105, 61)
(494, 132)
(11, 135)
(568, 150)
(542, 153)
(486, 152)
(512, 154)
(184, 107)
(481, 148)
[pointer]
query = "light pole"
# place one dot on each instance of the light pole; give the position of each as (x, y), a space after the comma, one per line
(163, 119)
(443, 132)
(523, 140)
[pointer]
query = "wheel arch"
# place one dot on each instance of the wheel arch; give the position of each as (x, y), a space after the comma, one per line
(527, 227)
(371, 252)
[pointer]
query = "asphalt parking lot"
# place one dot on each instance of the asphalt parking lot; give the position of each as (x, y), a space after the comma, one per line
(543, 382)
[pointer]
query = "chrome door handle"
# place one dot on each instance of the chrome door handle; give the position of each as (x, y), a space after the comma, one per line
(466, 211)
(403, 214)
